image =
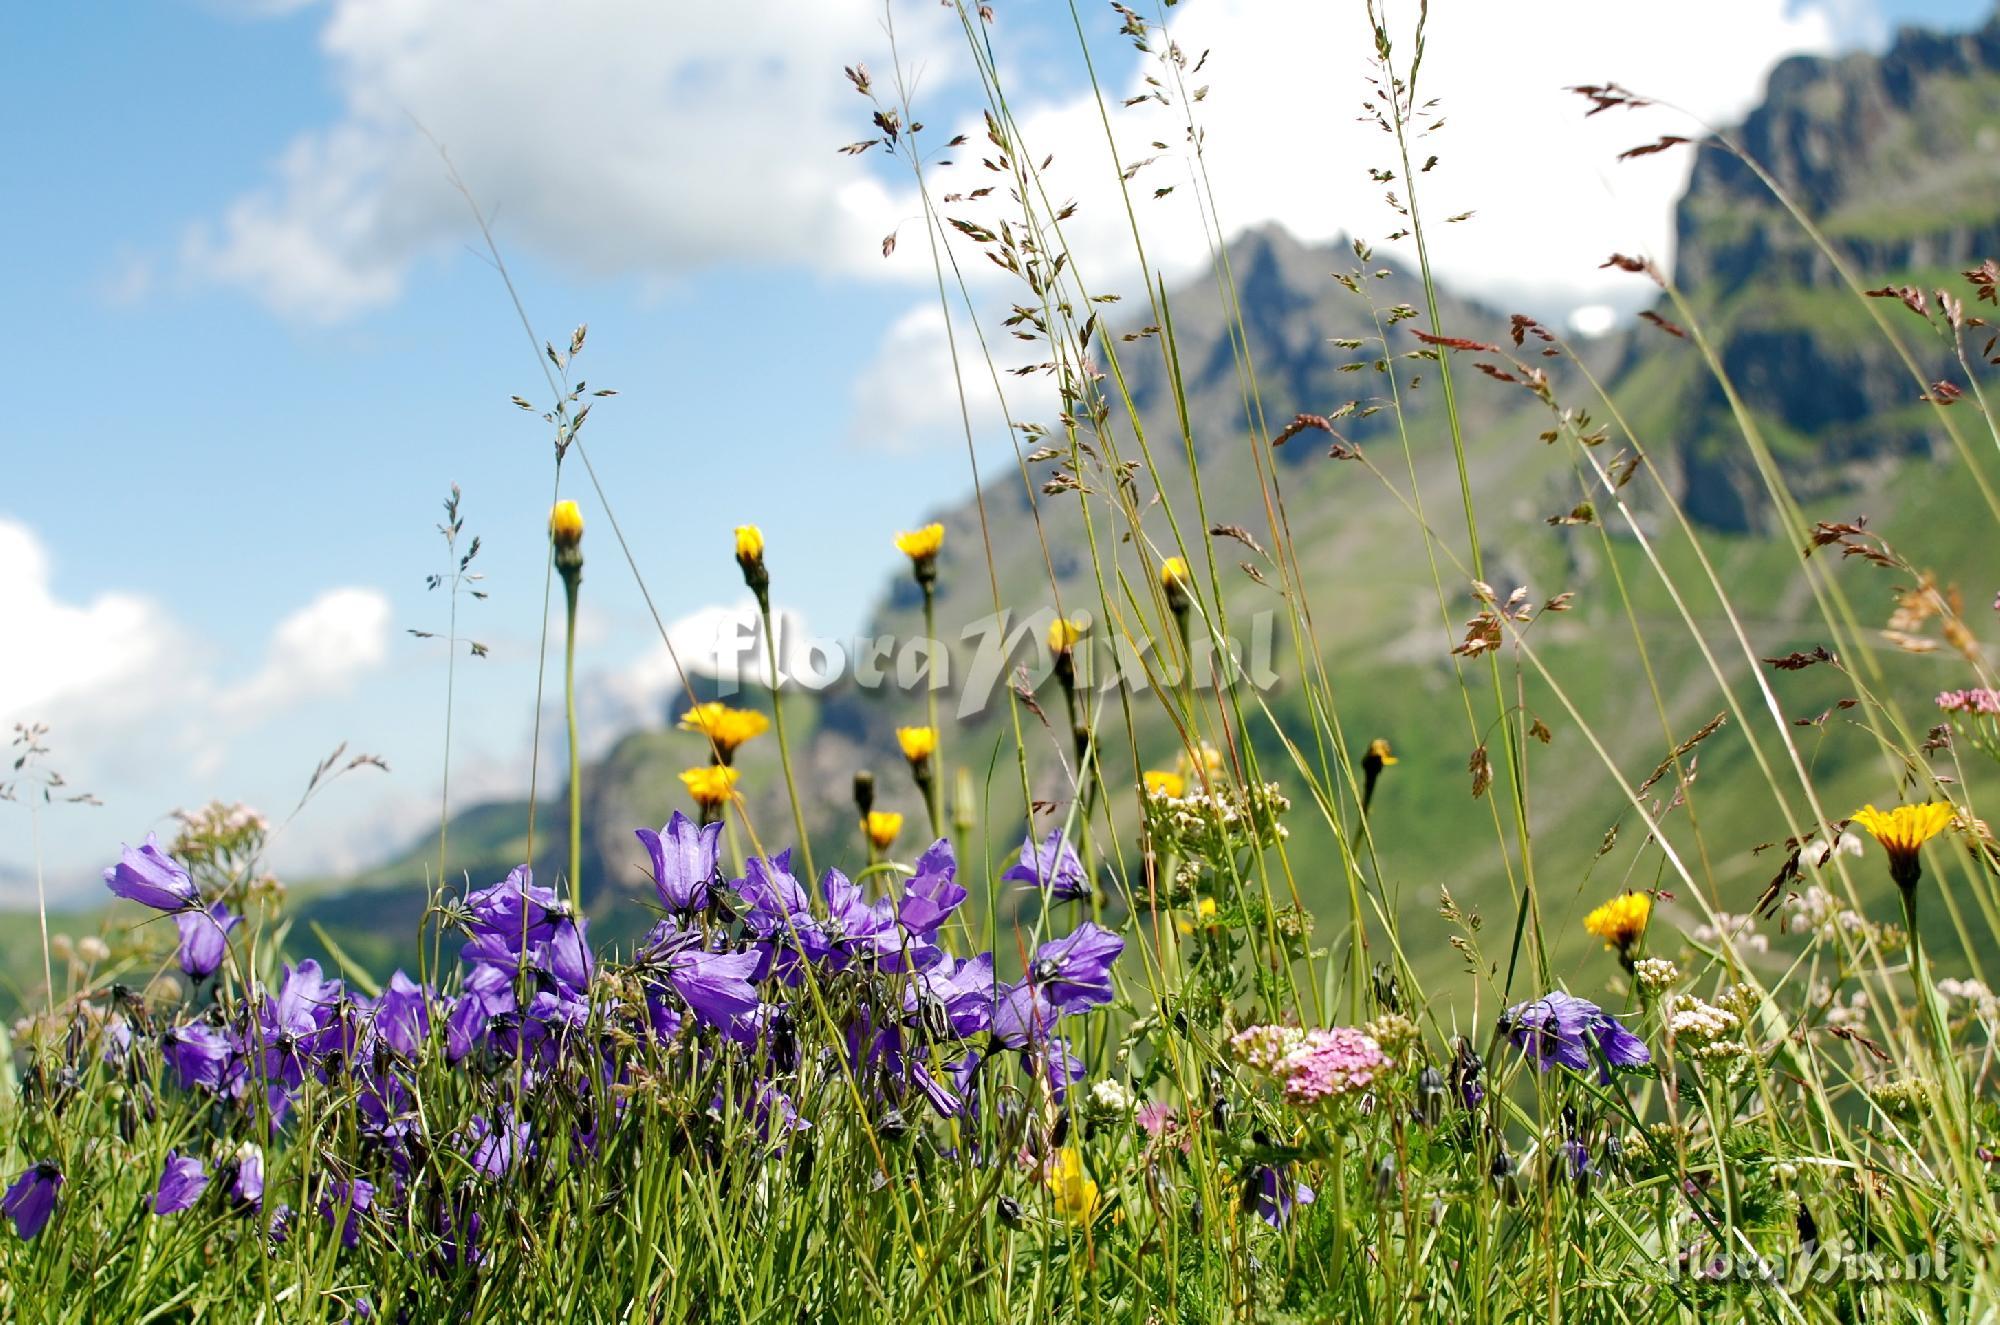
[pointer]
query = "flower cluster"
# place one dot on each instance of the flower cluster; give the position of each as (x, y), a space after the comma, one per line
(552, 1044)
(1980, 701)
(1703, 1031)
(1209, 824)
(1312, 1066)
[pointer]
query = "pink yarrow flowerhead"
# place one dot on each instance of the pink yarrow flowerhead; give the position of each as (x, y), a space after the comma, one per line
(1979, 701)
(1329, 1063)
(1312, 1065)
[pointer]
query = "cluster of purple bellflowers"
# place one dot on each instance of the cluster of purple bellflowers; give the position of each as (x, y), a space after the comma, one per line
(758, 985)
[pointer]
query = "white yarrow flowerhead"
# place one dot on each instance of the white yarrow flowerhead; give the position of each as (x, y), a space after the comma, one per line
(1656, 974)
(1110, 1098)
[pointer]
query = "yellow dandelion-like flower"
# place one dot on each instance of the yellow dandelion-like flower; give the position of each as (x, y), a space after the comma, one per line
(1064, 632)
(726, 727)
(710, 784)
(1378, 754)
(1174, 573)
(1903, 831)
(1204, 758)
(1620, 921)
(1164, 782)
(1204, 915)
(749, 543)
(882, 827)
(921, 544)
(566, 524)
(918, 743)
(1075, 1191)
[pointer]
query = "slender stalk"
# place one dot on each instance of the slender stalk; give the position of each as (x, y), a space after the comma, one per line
(42, 903)
(571, 583)
(784, 746)
(936, 789)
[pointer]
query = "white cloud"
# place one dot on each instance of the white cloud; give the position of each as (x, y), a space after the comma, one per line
(140, 710)
(1283, 140)
(319, 649)
(905, 399)
(58, 651)
(626, 136)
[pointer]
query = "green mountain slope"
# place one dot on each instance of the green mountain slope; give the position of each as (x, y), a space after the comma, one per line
(1893, 156)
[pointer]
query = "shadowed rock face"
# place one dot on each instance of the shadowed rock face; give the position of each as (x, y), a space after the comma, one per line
(1896, 158)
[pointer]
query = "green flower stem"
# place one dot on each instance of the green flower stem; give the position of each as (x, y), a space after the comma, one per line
(571, 583)
(784, 746)
(936, 790)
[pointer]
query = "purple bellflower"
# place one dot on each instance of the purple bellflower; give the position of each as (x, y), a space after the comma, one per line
(150, 877)
(182, 1182)
(684, 861)
(1052, 866)
(32, 1199)
(1559, 1029)
(205, 939)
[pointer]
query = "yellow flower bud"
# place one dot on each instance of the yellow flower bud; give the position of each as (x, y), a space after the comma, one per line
(749, 543)
(882, 826)
(566, 524)
(1064, 632)
(710, 784)
(918, 743)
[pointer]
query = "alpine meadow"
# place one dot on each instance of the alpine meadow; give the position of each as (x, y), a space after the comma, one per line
(1357, 802)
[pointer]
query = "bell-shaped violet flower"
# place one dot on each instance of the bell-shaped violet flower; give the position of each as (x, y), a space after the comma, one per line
(200, 1055)
(494, 1147)
(205, 939)
(1074, 972)
(513, 911)
(150, 877)
(855, 928)
(403, 1015)
(182, 1182)
(684, 861)
(32, 1199)
(1274, 1192)
(1053, 866)
(932, 893)
(1559, 1029)
(716, 986)
(345, 1203)
(243, 1177)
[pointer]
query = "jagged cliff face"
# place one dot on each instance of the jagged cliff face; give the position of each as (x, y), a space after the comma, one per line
(1896, 159)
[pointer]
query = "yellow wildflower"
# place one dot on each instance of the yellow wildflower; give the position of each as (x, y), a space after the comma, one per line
(726, 727)
(1620, 921)
(710, 784)
(1204, 916)
(921, 544)
(1162, 782)
(749, 543)
(1064, 632)
(1902, 832)
(882, 827)
(918, 742)
(1076, 1193)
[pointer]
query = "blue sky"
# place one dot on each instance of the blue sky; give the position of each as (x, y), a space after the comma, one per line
(252, 347)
